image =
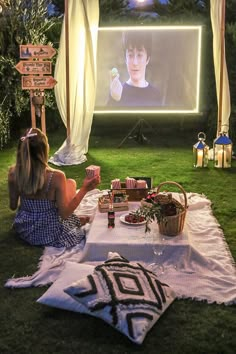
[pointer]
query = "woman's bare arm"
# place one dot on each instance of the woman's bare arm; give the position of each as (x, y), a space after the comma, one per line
(12, 189)
(67, 205)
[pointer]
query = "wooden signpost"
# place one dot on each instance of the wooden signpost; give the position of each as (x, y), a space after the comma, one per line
(34, 67)
(38, 77)
(29, 51)
(37, 82)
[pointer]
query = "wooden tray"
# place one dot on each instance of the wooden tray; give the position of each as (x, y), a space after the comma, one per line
(134, 194)
(104, 208)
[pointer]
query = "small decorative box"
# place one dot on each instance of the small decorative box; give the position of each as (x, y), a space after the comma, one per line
(134, 194)
(92, 171)
(136, 188)
(119, 200)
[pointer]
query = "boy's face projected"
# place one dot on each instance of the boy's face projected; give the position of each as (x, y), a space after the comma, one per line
(136, 61)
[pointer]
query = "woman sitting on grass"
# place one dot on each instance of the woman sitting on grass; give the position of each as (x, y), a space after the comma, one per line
(46, 198)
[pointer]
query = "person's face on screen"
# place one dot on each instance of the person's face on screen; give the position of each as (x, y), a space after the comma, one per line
(136, 61)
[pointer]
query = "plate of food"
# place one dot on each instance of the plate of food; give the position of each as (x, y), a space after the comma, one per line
(132, 219)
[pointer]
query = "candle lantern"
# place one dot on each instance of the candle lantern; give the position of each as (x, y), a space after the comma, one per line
(200, 151)
(222, 151)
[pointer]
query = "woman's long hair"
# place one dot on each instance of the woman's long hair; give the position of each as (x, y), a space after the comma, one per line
(31, 161)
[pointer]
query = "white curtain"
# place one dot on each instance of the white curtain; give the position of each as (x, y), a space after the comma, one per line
(83, 18)
(216, 17)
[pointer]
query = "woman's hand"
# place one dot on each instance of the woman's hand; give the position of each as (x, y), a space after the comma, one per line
(84, 219)
(116, 87)
(90, 183)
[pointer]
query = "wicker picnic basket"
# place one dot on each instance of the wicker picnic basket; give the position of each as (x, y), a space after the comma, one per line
(172, 225)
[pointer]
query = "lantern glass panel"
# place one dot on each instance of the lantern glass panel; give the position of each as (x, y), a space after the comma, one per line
(200, 152)
(222, 152)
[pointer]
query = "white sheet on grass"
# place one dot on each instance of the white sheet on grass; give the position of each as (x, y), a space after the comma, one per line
(206, 272)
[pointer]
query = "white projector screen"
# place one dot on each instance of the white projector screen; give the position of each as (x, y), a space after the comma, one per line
(157, 72)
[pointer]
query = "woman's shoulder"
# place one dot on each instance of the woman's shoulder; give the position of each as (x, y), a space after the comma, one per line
(57, 175)
(55, 171)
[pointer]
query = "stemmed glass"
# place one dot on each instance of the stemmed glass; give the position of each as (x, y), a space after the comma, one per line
(158, 249)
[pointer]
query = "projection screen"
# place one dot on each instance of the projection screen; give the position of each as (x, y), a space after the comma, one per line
(171, 74)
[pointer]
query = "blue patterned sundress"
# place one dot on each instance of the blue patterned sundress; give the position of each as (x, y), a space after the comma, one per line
(37, 222)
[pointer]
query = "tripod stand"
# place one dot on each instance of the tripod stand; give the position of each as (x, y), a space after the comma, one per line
(138, 132)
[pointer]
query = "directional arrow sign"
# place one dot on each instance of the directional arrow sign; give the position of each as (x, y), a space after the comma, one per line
(34, 67)
(37, 82)
(36, 51)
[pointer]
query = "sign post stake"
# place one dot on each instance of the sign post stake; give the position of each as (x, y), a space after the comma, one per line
(43, 120)
(32, 109)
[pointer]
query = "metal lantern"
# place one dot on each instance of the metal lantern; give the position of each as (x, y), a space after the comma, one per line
(200, 151)
(222, 151)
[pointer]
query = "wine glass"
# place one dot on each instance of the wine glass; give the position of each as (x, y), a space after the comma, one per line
(158, 249)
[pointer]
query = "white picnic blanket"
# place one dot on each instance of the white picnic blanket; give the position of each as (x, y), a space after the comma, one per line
(206, 272)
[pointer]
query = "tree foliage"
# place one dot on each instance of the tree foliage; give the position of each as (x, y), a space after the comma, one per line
(184, 7)
(21, 22)
(110, 10)
(58, 6)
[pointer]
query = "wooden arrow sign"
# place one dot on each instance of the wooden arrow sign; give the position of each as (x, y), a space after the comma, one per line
(37, 82)
(36, 51)
(34, 67)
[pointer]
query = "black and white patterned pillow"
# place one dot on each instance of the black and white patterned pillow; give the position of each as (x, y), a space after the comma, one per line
(125, 294)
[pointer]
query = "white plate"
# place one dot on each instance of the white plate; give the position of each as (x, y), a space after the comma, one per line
(122, 219)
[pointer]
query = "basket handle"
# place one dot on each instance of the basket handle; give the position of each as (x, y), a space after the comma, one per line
(175, 184)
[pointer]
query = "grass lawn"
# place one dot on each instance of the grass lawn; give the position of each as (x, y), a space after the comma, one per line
(187, 327)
